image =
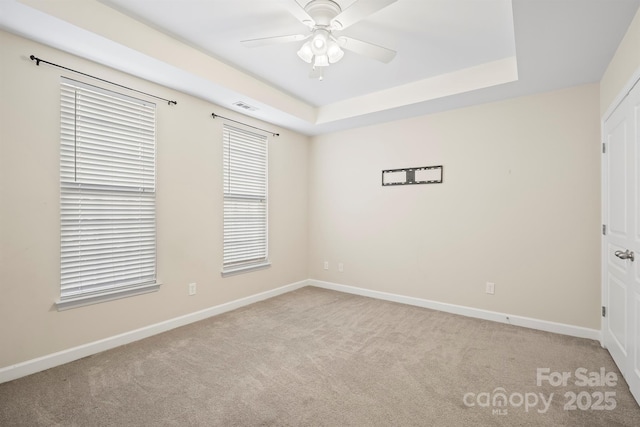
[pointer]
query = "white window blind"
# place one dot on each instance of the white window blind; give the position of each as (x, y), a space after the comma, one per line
(245, 199)
(107, 187)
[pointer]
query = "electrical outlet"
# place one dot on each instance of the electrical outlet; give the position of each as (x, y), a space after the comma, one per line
(192, 288)
(341, 267)
(326, 265)
(491, 287)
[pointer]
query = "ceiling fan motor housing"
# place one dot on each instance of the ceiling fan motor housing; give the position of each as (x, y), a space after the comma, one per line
(322, 12)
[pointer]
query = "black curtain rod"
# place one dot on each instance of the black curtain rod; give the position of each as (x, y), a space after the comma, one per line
(214, 115)
(38, 61)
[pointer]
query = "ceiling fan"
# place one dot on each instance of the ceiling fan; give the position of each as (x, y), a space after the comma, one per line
(324, 18)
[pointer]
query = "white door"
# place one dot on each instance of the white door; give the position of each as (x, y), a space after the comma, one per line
(621, 243)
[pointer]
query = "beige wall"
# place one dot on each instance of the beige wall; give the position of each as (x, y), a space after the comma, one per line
(189, 206)
(519, 207)
(624, 64)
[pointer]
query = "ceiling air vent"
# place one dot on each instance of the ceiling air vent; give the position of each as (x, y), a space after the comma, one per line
(245, 106)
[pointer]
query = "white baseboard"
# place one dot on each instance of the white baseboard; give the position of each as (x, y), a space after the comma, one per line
(527, 322)
(32, 366)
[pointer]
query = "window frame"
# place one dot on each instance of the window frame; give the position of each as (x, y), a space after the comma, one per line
(107, 173)
(240, 188)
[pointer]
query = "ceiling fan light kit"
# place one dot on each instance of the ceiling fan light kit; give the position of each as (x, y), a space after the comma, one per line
(334, 52)
(306, 53)
(322, 50)
(323, 17)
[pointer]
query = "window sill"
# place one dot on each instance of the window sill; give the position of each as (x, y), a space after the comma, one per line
(83, 300)
(244, 269)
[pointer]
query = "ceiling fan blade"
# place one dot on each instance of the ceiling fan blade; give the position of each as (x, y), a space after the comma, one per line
(273, 40)
(357, 11)
(369, 50)
(294, 8)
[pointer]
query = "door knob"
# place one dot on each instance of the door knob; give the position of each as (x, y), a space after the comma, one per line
(625, 255)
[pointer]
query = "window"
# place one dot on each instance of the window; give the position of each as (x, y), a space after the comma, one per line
(245, 200)
(107, 195)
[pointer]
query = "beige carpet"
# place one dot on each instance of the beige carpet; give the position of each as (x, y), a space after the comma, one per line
(321, 358)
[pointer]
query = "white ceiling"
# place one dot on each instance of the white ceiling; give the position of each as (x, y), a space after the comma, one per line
(431, 37)
(451, 53)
